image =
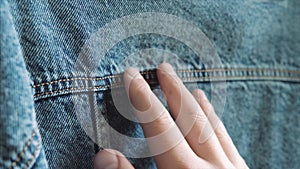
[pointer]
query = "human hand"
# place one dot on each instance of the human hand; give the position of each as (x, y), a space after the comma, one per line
(197, 139)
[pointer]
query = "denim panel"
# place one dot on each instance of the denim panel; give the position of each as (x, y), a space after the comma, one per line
(262, 118)
(66, 143)
(240, 30)
(20, 141)
(256, 41)
(40, 161)
(104, 104)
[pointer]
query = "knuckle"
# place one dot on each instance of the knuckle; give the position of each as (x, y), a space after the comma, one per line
(199, 117)
(221, 132)
(165, 119)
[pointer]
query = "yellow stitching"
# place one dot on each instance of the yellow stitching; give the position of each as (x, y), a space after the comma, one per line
(76, 88)
(33, 155)
(20, 156)
(241, 69)
(179, 71)
(240, 77)
(154, 82)
(76, 78)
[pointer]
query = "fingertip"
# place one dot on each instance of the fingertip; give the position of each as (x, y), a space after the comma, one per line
(169, 82)
(106, 159)
(132, 71)
(164, 64)
(166, 67)
(139, 94)
(129, 75)
(111, 159)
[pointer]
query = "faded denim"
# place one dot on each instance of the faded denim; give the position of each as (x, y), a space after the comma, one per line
(257, 41)
(20, 140)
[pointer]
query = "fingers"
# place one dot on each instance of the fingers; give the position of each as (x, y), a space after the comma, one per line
(220, 130)
(190, 118)
(195, 119)
(111, 159)
(164, 139)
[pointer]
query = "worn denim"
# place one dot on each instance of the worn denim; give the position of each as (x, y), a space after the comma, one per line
(20, 140)
(257, 42)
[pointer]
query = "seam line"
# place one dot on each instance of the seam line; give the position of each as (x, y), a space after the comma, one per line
(76, 88)
(30, 160)
(20, 156)
(239, 77)
(179, 71)
(154, 82)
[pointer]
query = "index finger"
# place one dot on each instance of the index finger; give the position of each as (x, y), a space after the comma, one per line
(164, 139)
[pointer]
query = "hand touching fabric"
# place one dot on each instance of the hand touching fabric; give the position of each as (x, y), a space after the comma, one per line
(204, 141)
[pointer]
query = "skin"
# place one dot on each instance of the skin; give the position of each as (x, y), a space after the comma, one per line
(206, 144)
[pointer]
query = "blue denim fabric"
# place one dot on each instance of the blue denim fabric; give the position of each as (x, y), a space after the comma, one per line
(20, 140)
(257, 41)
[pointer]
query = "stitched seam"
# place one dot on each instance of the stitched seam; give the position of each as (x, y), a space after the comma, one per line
(29, 161)
(76, 88)
(150, 76)
(76, 78)
(155, 82)
(179, 71)
(241, 77)
(20, 155)
(242, 69)
(190, 79)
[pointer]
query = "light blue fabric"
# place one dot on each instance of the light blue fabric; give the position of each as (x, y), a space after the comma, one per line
(257, 42)
(20, 140)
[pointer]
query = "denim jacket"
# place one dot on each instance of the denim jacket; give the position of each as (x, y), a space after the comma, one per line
(62, 63)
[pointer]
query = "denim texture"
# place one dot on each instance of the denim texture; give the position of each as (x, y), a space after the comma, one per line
(20, 140)
(257, 42)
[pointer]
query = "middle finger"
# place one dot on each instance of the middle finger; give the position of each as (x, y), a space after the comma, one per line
(190, 118)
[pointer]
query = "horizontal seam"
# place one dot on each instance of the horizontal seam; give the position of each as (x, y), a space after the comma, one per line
(179, 71)
(246, 76)
(118, 84)
(20, 156)
(82, 78)
(76, 88)
(75, 78)
(242, 69)
(242, 77)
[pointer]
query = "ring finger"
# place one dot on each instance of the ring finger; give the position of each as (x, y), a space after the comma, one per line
(190, 118)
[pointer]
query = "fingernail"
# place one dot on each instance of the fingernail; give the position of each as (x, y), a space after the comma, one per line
(107, 161)
(140, 100)
(129, 75)
(134, 73)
